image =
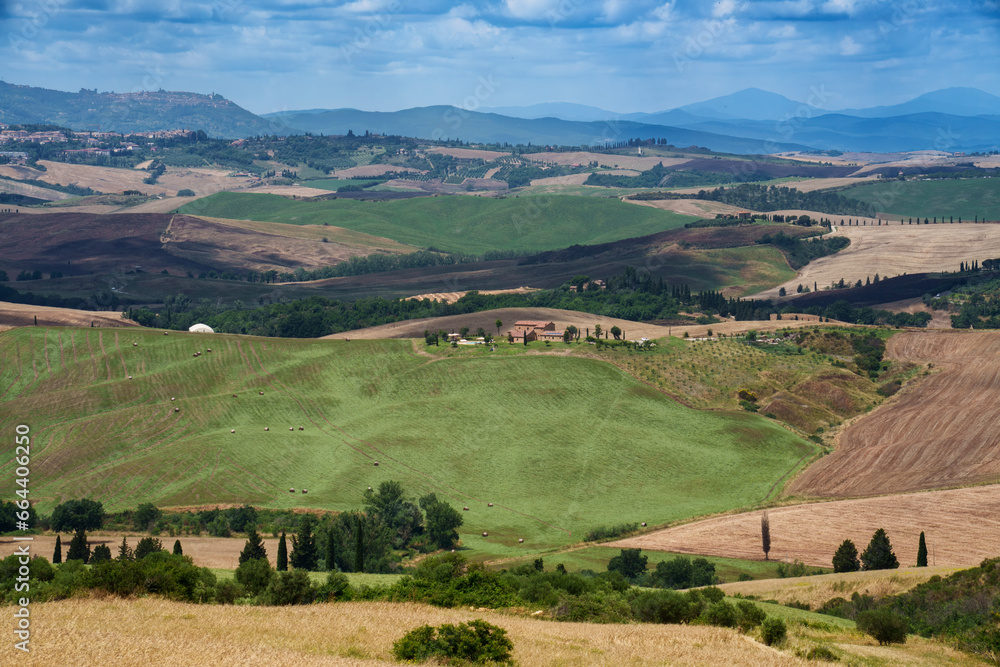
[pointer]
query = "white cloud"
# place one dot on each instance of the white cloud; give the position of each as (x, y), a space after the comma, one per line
(848, 47)
(724, 8)
(532, 9)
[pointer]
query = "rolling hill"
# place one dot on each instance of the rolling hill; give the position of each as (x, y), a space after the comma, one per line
(457, 224)
(559, 445)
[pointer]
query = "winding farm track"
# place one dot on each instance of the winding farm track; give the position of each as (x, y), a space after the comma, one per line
(941, 432)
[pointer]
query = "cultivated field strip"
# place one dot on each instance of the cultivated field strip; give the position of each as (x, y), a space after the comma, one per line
(962, 527)
(943, 431)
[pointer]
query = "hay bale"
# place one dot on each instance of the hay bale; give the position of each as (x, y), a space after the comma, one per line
(490, 505)
(234, 395)
(643, 524)
(129, 377)
(177, 409)
(301, 429)
(305, 491)
(376, 463)
(135, 344)
(233, 430)
(266, 429)
(291, 428)
(485, 534)
(465, 509)
(520, 540)
(261, 393)
(291, 490)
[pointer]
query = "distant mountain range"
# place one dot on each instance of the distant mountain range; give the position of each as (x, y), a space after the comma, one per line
(145, 111)
(748, 121)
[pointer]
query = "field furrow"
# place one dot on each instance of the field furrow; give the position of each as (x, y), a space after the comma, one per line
(941, 432)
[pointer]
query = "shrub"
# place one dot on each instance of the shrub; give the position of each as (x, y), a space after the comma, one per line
(721, 614)
(255, 575)
(773, 631)
(662, 607)
(476, 641)
(228, 591)
(821, 653)
(145, 515)
(337, 587)
(885, 626)
(292, 587)
(186, 192)
(147, 546)
(102, 553)
(748, 616)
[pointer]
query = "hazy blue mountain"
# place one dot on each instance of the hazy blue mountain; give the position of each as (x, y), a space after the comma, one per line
(446, 122)
(953, 101)
(129, 112)
(751, 104)
(850, 133)
(563, 110)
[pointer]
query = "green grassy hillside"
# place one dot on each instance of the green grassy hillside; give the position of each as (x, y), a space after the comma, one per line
(457, 224)
(559, 445)
(965, 198)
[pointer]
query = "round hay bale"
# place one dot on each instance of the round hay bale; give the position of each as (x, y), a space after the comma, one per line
(166, 333)
(261, 393)
(173, 398)
(376, 463)
(266, 428)
(291, 428)
(234, 395)
(643, 524)
(490, 505)
(520, 540)
(233, 430)
(209, 350)
(129, 377)
(291, 490)
(305, 491)
(177, 409)
(135, 344)
(485, 534)
(301, 429)
(465, 509)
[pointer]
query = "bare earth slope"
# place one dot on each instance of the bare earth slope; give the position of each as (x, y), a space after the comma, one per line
(962, 528)
(22, 315)
(941, 432)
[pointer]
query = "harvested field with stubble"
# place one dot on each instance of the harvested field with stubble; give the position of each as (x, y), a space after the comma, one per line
(895, 249)
(109, 180)
(23, 315)
(962, 527)
(940, 432)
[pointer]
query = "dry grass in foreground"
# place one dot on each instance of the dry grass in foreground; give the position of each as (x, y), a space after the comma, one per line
(145, 631)
(113, 631)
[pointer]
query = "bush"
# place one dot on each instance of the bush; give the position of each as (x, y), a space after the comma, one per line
(721, 614)
(885, 626)
(147, 546)
(255, 575)
(748, 616)
(663, 607)
(337, 587)
(773, 631)
(294, 587)
(101, 554)
(476, 641)
(228, 591)
(821, 653)
(186, 192)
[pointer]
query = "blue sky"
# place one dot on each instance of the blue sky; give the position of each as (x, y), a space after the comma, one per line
(621, 55)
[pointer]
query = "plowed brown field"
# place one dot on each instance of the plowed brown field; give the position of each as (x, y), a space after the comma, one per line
(962, 527)
(940, 432)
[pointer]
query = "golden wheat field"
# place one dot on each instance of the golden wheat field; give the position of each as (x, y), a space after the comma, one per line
(149, 631)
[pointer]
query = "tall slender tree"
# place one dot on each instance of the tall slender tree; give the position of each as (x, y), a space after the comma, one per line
(282, 554)
(765, 534)
(304, 554)
(177, 548)
(359, 546)
(331, 549)
(922, 551)
(57, 555)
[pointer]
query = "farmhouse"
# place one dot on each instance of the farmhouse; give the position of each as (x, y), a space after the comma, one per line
(522, 336)
(552, 335)
(533, 325)
(529, 330)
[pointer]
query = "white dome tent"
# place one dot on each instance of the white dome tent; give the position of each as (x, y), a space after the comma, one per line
(201, 328)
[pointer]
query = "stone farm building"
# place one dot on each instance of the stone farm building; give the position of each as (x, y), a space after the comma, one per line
(529, 330)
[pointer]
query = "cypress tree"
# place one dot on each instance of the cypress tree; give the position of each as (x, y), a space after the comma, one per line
(57, 555)
(359, 546)
(922, 551)
(304, 554)
(331, 550)
(282, 554)
(124, 552)
(177, 548)
(879, 554)
(765, 534)
(846, 558)
(254, 548)
(79, 548)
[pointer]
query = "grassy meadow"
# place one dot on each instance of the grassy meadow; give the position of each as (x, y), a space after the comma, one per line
(965, 198)
(457, 224)
(559, 445)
